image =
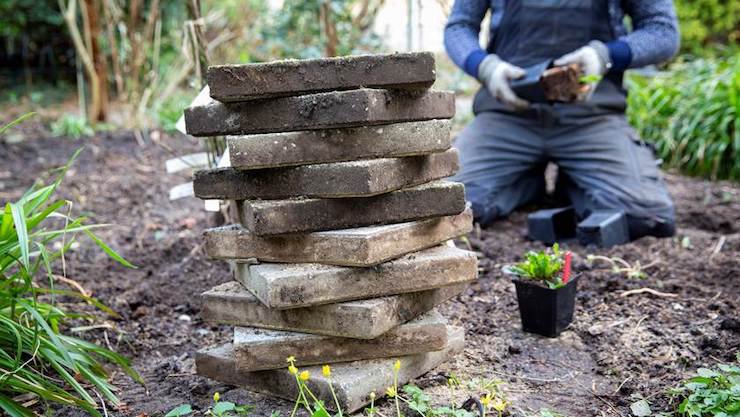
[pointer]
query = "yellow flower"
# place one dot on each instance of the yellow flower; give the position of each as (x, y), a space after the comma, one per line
(372, 396)
(292, 369)
(390, 392)
(326, 370)
(305, 375)
(499, 405)
(216, 397)
(290, 359)
(486, 400)
(397, 365)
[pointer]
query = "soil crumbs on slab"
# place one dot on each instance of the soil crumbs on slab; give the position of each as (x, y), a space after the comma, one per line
(619, 347)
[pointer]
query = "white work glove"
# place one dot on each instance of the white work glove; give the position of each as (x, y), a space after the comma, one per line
(594, 62)
(496, 75)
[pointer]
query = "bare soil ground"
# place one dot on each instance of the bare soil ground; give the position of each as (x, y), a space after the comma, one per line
(620, 346)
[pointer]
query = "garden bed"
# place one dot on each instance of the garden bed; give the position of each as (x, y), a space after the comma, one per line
(623, 342)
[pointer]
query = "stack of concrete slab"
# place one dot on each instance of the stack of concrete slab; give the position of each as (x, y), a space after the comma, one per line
(340, 248)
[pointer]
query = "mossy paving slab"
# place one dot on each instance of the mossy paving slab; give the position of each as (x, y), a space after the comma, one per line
(231, 303)
(272, 217)
(287, 286)
(334, 180)
(273, 150)
(228, 83)
(317, 111)
(260, 349)
(362, 246)
(352, 381)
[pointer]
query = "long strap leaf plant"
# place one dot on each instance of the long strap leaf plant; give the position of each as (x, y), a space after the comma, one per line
(40, 364)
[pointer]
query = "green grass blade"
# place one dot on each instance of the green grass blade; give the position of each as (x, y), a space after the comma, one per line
(108, 250)
(13, 408)
(23, 117)
(22, 232)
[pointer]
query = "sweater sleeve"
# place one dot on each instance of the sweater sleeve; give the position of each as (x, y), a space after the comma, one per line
(655, 37)
(462, 34)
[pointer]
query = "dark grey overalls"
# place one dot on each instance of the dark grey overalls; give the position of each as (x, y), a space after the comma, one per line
(602, 163)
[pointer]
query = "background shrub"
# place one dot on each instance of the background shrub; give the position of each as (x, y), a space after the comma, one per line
(691, 115)
(708, 23)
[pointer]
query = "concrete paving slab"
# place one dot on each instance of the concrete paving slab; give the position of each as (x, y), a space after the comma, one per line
(363, 178)
(273, 150)
(286, 286)
(412, 70)
(318, 111)
(259, 349)
(352, 381)
(273, 217)
(231, 303)
(363, 246)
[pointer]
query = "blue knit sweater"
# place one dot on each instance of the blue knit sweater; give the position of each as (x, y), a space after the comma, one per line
(654, 39)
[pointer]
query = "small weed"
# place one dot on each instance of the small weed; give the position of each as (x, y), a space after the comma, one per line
(180, 410)
(407, 398)
(72, 126)
(620, 266)
(218, 409)
(712, 392)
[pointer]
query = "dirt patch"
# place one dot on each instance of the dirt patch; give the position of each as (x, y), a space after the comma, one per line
(618, 346)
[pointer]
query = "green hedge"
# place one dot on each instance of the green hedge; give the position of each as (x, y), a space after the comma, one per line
(691, 114)
(708, 23)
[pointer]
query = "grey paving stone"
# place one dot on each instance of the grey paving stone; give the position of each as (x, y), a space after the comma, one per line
(414, 70)
(259, 349)
(318, 111)
(336, 145)
(285, 286)
(272, 217)
(352, 381)
(363, 178)
(231, 303)
(363, 246)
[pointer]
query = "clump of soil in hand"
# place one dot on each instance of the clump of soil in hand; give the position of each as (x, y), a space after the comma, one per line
(562, 83)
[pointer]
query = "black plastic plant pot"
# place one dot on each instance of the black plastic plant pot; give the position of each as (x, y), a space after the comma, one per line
(545, 311)
(552, 225)
(529, 87)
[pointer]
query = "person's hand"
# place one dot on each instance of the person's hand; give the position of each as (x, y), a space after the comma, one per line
(496, 75)
(594, 61)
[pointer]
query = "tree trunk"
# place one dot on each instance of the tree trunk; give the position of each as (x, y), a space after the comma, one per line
(330, 30)
(99, 82)
(200, 48)
(114, 57)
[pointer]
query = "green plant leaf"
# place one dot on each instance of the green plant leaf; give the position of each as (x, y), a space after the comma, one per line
(641, 408)
(21, 231)
(107, 249)
(223, 406)
(3, 129)
(180, 410)
(707, 373)
(13, 408)
(321, 412)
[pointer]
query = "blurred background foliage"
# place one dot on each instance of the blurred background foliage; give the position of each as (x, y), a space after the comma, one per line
(691, 114)
(143, 63)
(708, 24)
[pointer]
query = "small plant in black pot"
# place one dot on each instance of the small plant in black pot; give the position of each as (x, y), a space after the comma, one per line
(546, 291)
